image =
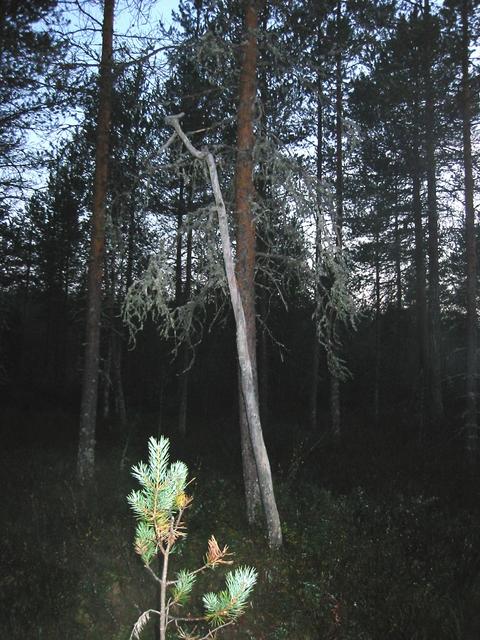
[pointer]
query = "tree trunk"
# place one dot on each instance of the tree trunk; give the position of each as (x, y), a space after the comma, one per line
(88, 411)
(262, 186)
(178, 250)
(245, 259)
(182, 361)
(471, 423)
(435, 402)
(318, 243)
(264, 377)
(334, 380)
(183, 404)
(243, 196)
(132, 200)
(378, 343)
(117, 379)
(315, 375)
(262, 463)
(420, 270)
(107, 382)
(184, 380)
(420, 276)
(398, 253)
(253, 498)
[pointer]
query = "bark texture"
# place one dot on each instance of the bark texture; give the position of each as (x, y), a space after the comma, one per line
(88, 411)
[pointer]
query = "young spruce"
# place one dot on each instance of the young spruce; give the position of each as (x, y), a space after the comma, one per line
(159, 506)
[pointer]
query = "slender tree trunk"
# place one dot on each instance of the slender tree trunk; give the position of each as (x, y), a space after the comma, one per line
(132, 229)
(131, 237)
(117, 380)
(178, 258)
(248, 382)
(133, 168)
(264, 377)
(398, 252)
(112, 363)
(334, 380)
(420, 273)
(315, 375)
(339, 134)
(471, 421)
(435, 402)
(318, 244)
(183, 405)
(253, 499)
(185, 376)
(245, 263)
(420, 269)
(88, 411)
(378, 320)
(182, 361)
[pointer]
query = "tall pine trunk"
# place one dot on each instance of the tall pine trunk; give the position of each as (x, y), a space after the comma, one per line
(338, 222)
(245, 264)
(419, 255)
(471, 423)
(435, 402)
(88, 411)
(318, 241)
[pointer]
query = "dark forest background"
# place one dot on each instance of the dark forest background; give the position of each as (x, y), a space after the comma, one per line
(362, 301)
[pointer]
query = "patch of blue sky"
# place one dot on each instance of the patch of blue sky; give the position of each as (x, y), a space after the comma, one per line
(137, 26)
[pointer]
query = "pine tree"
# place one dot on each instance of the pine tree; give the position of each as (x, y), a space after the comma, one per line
(159, 506)
(86, 446)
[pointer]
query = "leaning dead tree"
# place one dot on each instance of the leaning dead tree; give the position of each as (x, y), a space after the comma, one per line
(247, 382)
(150, 295)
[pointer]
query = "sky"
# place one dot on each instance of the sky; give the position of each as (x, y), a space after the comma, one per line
(161, 9)
(166, 7)
(84, 28)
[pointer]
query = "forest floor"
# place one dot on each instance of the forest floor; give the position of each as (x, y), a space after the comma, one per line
(375, 548)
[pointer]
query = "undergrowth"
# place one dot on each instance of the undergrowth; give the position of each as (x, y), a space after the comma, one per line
(356, 565)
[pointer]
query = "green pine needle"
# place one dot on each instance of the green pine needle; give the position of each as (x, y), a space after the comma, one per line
(158, 455)
(183, 586)
(227, 605)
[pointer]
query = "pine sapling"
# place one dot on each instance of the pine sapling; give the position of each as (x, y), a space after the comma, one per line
(159, 506)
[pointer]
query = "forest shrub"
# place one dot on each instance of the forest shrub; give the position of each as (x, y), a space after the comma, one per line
(382, 568)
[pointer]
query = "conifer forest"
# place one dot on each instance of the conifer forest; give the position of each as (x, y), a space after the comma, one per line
(244, 235)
